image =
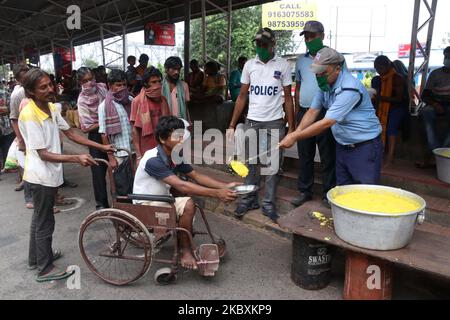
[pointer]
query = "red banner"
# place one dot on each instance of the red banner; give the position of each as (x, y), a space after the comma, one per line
(405, 49)
(61, 58)
(159, 34)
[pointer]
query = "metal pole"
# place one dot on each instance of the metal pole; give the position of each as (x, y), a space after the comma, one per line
(230, 9)
(103, 44)
(187, 36)
(124, 46)
(53, 56)
(71, 54)
(412, 52)
(4, 70)
(336, 35)
(428, 45)
(204, 31)
(39, 57)
(370, 34)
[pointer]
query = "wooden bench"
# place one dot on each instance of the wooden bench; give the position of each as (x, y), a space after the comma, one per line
(429, 251)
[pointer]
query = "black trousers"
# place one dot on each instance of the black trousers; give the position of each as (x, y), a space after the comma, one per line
(307, 152)
(99, 173)
(42, 227)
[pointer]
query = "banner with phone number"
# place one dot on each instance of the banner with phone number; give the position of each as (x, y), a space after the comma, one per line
(288, 15)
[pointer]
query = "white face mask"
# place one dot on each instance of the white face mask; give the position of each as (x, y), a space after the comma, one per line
(447, 63)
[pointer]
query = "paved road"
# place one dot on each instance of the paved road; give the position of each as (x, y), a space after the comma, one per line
(257, 265)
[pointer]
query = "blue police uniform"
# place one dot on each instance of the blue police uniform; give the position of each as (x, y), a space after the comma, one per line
(357, 131)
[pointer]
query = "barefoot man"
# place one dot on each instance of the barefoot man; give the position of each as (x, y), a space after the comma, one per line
(157, 173)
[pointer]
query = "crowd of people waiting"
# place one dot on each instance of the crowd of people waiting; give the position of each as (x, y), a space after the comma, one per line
(141, 109)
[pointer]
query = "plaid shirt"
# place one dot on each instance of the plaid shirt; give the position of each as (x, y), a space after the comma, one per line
(123, 139)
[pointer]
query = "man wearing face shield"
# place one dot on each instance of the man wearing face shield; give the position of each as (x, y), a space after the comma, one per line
(351, 117)
(305, 91)
(264, 80)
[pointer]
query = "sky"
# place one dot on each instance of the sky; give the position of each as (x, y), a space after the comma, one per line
(348, 24)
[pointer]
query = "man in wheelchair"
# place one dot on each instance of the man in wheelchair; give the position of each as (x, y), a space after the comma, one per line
(157, 173)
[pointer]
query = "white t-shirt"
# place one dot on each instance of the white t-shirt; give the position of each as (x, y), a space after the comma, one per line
(153, 168)
(42, 132)
(267, 81)
(17, 96)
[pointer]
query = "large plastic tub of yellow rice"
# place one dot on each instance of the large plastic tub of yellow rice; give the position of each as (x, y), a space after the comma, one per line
(375, 217)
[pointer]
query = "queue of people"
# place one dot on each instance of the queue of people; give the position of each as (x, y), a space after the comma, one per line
(143, 110)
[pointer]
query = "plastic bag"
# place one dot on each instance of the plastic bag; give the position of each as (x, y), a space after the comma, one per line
(124, 178)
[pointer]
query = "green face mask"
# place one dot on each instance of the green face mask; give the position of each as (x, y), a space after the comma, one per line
(323, 83)
(263, 53)
(315, 46)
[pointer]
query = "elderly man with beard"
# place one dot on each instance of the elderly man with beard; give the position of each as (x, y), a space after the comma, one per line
(146, 110)
(39, 124)
(175, 90)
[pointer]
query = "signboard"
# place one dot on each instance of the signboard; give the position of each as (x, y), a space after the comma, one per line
(405, 49)
(288, 15)
(61, 58)
(159, 34)
(365, 57)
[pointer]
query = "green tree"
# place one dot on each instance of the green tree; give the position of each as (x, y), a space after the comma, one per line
(90, 63)
(245, 23)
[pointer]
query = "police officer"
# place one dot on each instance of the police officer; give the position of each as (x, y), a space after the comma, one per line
(264, 79)
(351, 117)
(305, 92)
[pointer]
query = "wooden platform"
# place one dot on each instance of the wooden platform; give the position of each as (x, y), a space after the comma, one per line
(428, 251)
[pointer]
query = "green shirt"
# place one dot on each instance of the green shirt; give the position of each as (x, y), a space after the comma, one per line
(234, 84)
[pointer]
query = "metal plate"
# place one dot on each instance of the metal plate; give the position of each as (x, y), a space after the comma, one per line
(245, 189)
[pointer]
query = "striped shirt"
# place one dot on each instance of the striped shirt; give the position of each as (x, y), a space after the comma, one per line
(123, 139)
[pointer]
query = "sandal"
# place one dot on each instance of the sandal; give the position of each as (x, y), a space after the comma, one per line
(56, 210)
(64, 202)
(55, 274)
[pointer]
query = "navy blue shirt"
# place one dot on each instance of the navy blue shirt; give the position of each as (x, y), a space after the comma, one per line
(160, 167)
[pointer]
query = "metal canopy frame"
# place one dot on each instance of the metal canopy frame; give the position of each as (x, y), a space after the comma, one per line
(431, 6)
(223, 13)
(42, 23)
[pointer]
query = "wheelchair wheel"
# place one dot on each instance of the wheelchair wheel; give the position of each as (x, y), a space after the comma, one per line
(106, 244)
(165, 276)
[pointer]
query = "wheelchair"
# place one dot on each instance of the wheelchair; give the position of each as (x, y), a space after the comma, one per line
(119, 244)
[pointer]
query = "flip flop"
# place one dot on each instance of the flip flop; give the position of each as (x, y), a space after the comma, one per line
(55, 274)
(64, 202)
